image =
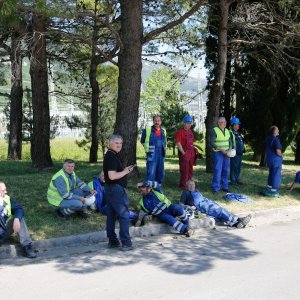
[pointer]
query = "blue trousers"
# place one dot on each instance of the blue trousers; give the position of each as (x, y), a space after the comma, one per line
(169, 216)
(155, 166)
(132, 215)
(117, 209)
(235, 168)
(70, 206)
(274, 178)
(216, 211)
(221, 168)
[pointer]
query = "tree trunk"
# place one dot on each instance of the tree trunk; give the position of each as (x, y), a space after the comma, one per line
(40, 145)
(213, 104)
(297, 153)
(16, 97)
(129, 81)
(228, 91)
(95, 102)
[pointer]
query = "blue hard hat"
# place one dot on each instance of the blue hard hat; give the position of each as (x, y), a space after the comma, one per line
(234, 121)
(187, 119)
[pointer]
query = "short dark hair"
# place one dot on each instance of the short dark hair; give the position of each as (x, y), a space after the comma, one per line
(156, 116)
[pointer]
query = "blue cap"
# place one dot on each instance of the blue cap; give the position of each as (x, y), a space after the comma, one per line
(187, 119)
(234, 121)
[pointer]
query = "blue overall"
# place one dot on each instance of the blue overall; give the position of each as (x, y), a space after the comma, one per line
(168, 214)
(208, 207)
(236, 162)
(274, 161)
(221, 167)
(155, 159)
(101, 201)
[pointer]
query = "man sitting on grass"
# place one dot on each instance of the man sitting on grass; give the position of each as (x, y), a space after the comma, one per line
(194, 199)
(12, 221)
(67, 193)
(157, 204)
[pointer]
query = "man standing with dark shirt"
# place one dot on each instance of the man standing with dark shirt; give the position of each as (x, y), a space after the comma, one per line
(117, 200)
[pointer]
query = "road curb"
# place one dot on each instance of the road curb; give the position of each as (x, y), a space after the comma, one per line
(153, 229)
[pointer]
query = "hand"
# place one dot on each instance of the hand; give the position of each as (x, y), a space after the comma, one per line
(16, 225)
(82, 199)
(130, 168)
(193, 207)
(93, 192)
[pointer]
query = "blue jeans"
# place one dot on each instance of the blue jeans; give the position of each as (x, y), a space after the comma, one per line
(221, 168)
(70, 206)
(117, 209)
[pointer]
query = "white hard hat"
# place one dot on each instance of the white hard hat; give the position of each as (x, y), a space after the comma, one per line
(90, 200)
(231, 153)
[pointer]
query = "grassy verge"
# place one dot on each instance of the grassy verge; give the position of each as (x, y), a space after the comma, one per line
(29, 187)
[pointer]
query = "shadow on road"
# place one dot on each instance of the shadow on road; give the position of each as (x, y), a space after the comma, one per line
(173, 254)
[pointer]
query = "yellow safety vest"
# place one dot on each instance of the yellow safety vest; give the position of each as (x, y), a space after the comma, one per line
(53, 195)
(232, 135)
(5, 202)
(161, 197)
(147, 138)
(222, 139)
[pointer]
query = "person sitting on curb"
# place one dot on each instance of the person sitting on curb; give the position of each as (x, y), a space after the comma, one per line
(67, 193)
(12, 221)
(157, 204)
(194, 199)
(101, 206)
(296, 180)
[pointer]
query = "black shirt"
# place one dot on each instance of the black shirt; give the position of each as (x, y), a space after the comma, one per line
(112, 162)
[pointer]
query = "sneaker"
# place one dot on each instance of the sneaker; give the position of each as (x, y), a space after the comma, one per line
(128, 247)
(269, 193)
(83, 215)
(242, 222)
(140, 218)
(114, 244)
(189, 232)
(28, 252)
(215, 192)
(226, 190)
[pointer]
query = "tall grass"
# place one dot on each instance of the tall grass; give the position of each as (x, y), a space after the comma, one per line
(29, 187)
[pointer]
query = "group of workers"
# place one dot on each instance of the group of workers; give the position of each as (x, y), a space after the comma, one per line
(68, 194)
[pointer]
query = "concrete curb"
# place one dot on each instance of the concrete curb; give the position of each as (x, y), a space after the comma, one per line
(153, 229)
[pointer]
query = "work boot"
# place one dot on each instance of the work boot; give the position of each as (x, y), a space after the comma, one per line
(189, 232)
(28, 252)
(83, 215)
(242, 222)
(114, 244)
(127, 247)
(140, 218)
(60, 215)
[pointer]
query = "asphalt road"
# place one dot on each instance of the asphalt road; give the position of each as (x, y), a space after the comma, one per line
(260, 262)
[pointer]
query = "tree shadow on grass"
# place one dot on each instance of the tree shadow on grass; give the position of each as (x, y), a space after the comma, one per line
(179, 256)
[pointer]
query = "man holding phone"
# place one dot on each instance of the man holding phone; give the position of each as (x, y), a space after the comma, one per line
(117, 200)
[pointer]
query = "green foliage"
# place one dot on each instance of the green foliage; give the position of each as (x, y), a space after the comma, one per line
(161, 82)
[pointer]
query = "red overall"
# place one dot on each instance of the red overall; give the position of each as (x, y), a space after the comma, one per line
(186, 161)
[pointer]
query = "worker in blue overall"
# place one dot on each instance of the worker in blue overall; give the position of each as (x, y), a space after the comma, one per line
(296, 180)
(154, 140)
(157, 204)
(274, 162)
(98, 185)
(192, 198)
(220, 142)
(238, 145)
